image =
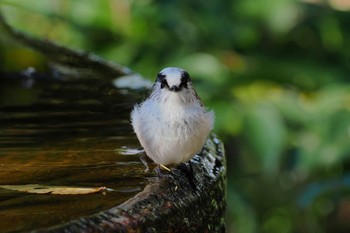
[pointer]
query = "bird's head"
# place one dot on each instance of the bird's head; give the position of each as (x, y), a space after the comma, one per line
(173, 79)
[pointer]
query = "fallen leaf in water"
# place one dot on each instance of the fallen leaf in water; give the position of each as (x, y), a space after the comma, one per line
(46, 189)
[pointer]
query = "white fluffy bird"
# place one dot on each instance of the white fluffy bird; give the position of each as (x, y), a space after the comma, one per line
(172, 124)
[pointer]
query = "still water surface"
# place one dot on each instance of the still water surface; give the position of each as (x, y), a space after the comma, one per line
(64, 133)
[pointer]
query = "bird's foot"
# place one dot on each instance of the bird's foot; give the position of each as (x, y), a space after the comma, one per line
(161, 173)
(164, 167)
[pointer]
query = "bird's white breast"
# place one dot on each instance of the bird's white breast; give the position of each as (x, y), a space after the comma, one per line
(169, 130)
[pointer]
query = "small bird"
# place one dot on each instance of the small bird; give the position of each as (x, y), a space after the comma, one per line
(172, 124)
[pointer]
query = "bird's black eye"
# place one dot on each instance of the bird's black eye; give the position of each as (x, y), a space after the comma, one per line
(185, 77)
(163, 84)
(160, 77)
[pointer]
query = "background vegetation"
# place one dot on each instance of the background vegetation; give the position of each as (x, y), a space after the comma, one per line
(275, 72)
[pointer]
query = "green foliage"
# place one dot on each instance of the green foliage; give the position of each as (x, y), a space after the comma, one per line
(275, 72)
(265, 131)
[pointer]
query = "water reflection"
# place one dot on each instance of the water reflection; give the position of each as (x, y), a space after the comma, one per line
(69, 133)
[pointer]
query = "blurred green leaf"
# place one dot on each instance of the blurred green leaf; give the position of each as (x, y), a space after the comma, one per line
(228, 118)
(242, 218)
(204, 66)
(277, 220)
(279, 15)
(266, 134)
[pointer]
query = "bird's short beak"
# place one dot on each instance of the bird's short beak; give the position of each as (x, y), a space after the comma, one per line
(174, 88)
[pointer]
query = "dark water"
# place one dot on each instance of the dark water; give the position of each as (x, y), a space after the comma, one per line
(64, 133)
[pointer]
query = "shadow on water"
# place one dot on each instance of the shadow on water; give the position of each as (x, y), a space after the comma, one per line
(64, 133)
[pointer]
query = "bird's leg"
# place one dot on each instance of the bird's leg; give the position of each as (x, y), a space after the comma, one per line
(159, 171)
(144, 159)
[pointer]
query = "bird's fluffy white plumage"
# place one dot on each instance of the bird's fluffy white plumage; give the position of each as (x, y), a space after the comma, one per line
(172, 124)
